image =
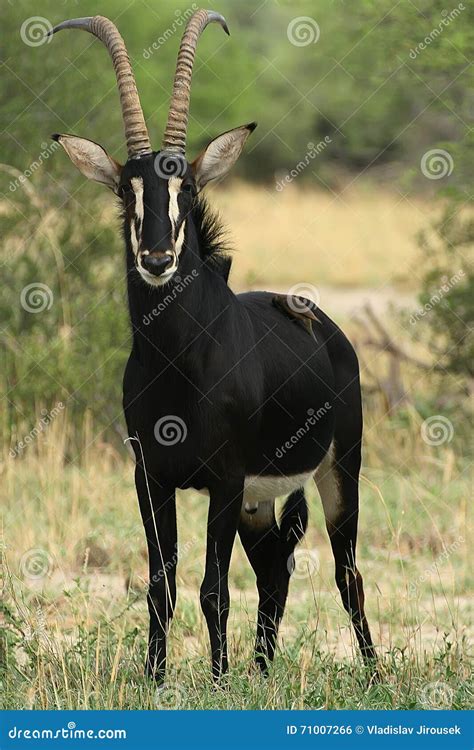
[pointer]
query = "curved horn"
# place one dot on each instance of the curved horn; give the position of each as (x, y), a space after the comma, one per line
(136, 133)
(174, 138)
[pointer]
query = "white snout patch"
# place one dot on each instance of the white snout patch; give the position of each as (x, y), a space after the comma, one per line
(156, 280)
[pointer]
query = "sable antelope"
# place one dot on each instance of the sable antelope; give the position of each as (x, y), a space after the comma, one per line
(217, 383)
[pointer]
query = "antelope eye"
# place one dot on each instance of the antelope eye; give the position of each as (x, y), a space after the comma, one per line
(187, 187)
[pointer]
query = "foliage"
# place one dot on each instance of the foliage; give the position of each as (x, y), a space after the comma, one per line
(354, 82)
(66, 334)
(447, 248)
(447, 293)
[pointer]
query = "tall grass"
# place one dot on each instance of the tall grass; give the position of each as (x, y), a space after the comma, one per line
(74, 616)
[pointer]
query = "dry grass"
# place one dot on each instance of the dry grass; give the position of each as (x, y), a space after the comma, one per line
(76, 623)
(359, 237)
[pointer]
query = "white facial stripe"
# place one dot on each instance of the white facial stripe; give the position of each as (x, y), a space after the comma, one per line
(179, 241)
(133, 237)
(137, 187)
(174, 186)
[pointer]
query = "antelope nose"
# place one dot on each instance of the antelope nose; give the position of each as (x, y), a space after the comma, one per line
(156, 264)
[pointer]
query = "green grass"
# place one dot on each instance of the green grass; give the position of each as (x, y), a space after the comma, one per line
(74, 627)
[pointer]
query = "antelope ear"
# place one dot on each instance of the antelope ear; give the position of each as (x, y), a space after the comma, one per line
(221, 154)
(91, 159)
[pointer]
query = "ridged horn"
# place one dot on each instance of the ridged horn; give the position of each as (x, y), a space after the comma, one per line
(174, 138)
(136, 133)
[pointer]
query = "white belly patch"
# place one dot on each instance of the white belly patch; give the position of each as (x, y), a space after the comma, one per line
(259, 489)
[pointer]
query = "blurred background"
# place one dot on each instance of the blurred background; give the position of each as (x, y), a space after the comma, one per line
(355, 190)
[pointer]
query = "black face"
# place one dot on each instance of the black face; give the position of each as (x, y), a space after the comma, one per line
(157, 193)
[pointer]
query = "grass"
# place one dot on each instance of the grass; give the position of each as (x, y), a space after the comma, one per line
(74, 568)
(75, 571)
(357, 237)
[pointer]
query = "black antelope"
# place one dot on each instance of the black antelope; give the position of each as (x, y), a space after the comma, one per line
(217, 383)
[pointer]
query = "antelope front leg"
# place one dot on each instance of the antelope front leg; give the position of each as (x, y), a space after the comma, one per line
(224, 511)
(158, 511)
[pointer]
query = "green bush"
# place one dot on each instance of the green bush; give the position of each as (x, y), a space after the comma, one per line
(64, 313)
(445, 318)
